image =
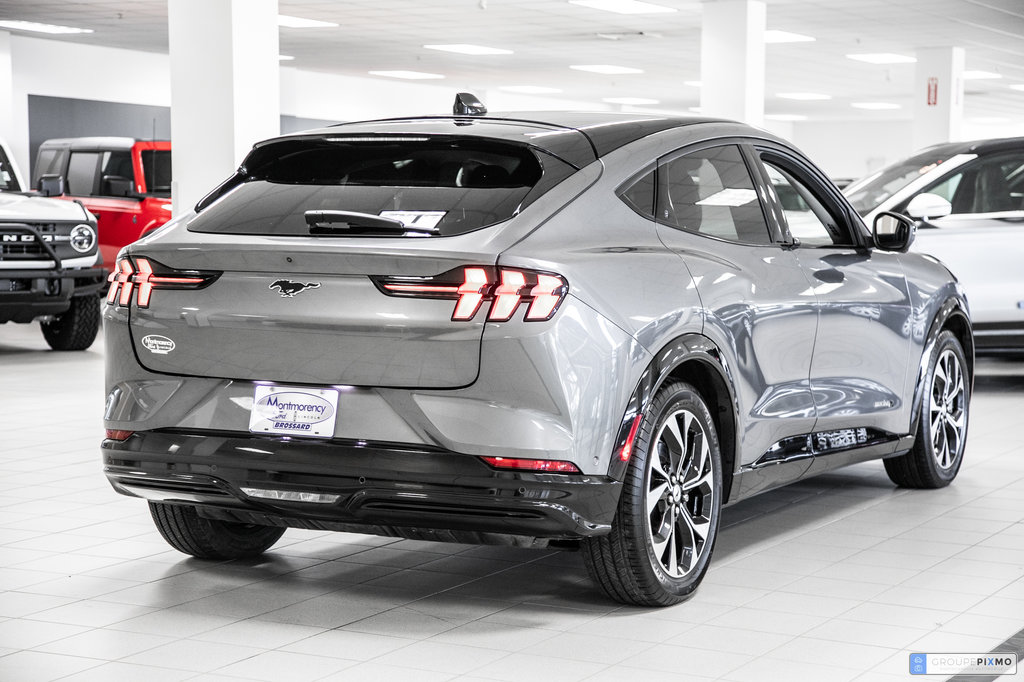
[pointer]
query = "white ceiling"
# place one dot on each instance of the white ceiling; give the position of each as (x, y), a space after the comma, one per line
(549, 35)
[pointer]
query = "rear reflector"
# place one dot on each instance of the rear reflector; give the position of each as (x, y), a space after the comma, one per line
(118, 434)
(627, 450)
(291, 495)
(471, 286)
(550, 465)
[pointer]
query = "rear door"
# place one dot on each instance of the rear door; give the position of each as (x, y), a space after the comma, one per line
(756, 301)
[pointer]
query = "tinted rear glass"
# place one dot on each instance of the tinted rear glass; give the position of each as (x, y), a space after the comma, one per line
(156, 168)
(455, 184)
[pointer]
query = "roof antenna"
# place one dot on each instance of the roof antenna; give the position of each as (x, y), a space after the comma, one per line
(468, 104)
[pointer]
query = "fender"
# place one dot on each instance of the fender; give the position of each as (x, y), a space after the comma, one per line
(954, 310)
(694, 358)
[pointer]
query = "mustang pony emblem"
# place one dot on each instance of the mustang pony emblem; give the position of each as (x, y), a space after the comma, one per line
(289, 288)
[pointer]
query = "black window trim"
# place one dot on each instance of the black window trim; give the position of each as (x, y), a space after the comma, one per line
(961, 169)
(804, 171)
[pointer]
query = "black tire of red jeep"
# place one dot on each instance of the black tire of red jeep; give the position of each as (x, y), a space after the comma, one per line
(188, 532)
(77, 328)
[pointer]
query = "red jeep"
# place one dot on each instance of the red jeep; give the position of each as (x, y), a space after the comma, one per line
(125, 183)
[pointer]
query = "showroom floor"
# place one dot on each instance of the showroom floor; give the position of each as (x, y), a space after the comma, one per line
(835, 579)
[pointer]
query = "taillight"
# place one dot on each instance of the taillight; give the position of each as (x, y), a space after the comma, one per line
(119, 434)
(471, 287)
(145, 275)
(555, 466)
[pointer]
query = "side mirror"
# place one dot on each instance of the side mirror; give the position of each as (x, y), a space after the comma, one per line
(927, 205)
(51, 185)
(116, 186)
(893, 231)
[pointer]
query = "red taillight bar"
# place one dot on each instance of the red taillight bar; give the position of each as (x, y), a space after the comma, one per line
(471, 286)
(119, 434)
(142, 273)
(555, 466)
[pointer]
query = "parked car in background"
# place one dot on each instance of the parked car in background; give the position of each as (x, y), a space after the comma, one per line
(124, 182)
(49, 263)
(546, 329)
(969, 200)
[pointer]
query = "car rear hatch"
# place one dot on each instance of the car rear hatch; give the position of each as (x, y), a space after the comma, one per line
(331, 259)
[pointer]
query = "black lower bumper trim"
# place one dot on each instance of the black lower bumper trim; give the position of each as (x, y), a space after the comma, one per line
(28, 294)
(389, 489)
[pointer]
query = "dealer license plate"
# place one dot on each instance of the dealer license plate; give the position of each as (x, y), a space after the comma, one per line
(294, 411)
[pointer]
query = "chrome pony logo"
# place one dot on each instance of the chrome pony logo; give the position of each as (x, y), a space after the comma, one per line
(288, 288)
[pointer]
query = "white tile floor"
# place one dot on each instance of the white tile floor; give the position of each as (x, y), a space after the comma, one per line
(838, 578)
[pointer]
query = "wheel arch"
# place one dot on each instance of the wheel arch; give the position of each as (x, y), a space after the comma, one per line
(953, 316)
(695, 359)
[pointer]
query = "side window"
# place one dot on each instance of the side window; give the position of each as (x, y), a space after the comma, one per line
(82, 173)
(710, 192)
(807, 217)
(7, 180)
(991, 185)
(116, 174)
(639, 195)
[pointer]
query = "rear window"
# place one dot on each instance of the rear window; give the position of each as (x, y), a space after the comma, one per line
(447, 185)
(156, 169)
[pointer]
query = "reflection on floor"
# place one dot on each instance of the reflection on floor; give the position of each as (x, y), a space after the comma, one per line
(838, 578)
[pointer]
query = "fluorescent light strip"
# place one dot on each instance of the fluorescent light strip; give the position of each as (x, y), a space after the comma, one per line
(803, 96)
(694, 84)
(875, 106)
(624, 6)
(408, 75)
(607, 69)
(530, 89)
(285, 58)
(975, 75)
(286, 21)
(464, 48)
(785, 117)
(634, 101)
(775, 37)
(35, 27)
(882, 58)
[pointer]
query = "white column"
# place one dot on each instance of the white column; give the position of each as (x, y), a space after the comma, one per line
(7, 90)
(938, 95)
(225, 89)
(732, 60)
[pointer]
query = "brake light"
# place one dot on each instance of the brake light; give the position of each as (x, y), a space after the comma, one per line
(471, 287)
(146, 275)
(119, 434)
(556, 466)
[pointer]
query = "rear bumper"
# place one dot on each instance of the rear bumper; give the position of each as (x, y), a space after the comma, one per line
(386, 489)
(28, 294)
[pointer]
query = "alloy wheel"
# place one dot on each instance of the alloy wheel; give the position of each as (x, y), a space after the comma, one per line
(947, 416)
(680, 493)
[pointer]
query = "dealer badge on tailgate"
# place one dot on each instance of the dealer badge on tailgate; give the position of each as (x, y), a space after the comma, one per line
(292, 411)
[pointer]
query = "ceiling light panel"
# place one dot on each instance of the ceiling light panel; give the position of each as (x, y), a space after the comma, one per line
(775, 37)
(875, 106)
(530, 89)
(407, 75)
(631, 101)
(608, 69)
(34, 27)
(286, 21)
(882, 58)
(624, 6)
(804, 96)
(464, 48)
(975, 75)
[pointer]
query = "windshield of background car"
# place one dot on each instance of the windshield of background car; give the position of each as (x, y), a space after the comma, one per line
(450, 185)
(8, 180)
(156, 169)
(866, 196)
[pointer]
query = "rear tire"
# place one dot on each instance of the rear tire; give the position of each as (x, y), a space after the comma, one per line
(187, 532)
(665, 527)
(77, 328)
(941, 435)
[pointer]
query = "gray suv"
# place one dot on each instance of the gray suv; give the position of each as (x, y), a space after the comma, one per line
(580, 331)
